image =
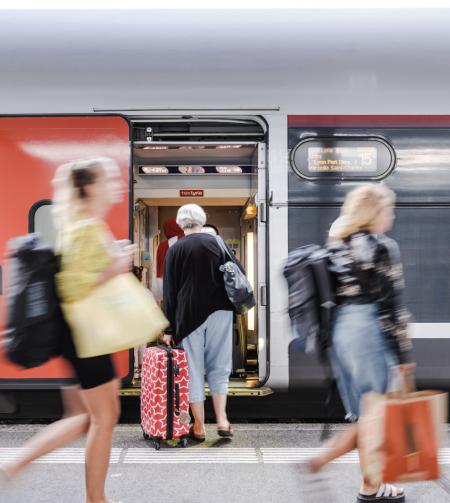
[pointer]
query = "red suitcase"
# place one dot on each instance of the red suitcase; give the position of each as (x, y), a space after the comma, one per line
(165, 395)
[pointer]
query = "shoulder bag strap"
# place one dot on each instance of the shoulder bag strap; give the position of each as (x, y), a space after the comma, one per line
(224, 248)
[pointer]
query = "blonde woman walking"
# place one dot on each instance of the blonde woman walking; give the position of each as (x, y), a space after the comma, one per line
(369, 336)
(84, 192)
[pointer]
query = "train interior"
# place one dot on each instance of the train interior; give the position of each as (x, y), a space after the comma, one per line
(178, 163)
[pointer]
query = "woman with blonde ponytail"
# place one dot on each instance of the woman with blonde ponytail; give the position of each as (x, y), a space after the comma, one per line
(84, 192)
(369, 336)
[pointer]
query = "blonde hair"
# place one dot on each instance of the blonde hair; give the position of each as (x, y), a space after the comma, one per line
(361, 207)
(69, 186)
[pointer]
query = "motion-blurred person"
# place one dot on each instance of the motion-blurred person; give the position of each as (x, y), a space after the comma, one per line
(139, 350)
(84, 192)
(200, 316)
(173, 233)
(370, 335)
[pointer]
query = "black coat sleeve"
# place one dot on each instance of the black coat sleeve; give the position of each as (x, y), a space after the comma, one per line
(394, 316)
(170, 290)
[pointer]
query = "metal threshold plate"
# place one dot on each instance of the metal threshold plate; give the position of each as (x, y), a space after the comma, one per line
(232, 391)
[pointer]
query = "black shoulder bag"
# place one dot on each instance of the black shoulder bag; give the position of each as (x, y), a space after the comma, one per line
(237, 286)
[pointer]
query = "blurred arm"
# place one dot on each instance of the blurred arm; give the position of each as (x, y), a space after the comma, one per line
(394, 316)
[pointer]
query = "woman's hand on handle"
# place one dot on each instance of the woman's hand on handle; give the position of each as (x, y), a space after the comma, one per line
(167, 339)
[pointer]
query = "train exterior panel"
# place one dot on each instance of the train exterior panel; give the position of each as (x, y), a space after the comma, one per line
(420, 176)
(31, 148)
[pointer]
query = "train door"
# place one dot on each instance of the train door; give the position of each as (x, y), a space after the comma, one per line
(219, 165)
(30, 150)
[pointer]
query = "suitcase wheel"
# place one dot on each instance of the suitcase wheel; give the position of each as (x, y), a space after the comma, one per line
(184, 442)
(156, 443)
(146, 437)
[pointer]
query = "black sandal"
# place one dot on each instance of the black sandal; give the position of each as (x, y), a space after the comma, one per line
(225, 432)
(194, 436)
(387, 493)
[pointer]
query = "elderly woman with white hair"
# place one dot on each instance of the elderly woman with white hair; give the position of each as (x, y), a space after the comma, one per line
(200, 316)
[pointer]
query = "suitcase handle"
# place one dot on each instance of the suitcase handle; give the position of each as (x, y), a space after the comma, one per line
(177, 399)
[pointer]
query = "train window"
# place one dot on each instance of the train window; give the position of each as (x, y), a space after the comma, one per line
(41, 220)
(342, 158)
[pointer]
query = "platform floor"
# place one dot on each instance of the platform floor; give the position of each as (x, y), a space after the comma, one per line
(264, 463)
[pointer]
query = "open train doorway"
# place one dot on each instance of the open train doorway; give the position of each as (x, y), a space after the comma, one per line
(225, 174)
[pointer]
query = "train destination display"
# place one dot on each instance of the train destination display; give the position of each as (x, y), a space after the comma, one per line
(362, 158)
(338, 159)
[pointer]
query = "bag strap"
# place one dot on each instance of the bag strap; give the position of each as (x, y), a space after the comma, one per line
(407, 385)
(326, 303)
(230, 255)
(224, 248)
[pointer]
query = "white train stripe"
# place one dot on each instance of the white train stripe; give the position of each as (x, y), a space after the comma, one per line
(430, 330)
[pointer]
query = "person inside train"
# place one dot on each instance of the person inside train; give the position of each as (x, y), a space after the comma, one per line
(370, 338)
(173, 233)
(200, 316)
(84, 192)
(211, 229)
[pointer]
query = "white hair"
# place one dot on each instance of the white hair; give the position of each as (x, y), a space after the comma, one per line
(66, 198)
(191, 215)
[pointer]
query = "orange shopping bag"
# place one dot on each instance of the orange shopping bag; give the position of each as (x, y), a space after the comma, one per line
(399, 436)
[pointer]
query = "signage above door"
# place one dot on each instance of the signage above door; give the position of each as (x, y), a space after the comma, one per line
(192, 193)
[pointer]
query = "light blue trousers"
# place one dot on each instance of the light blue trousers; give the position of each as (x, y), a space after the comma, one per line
(209, 351)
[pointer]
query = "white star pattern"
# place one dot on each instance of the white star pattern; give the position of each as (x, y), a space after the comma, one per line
(154, 393)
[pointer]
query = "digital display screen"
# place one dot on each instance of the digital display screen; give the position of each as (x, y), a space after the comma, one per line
(339, 159)
(342, 158)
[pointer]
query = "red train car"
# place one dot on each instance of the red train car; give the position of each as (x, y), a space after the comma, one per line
(31, 148)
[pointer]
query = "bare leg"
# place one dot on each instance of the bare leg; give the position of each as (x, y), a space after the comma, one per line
(337, 446)
(103, 407)
(220, 404)
(198, 411)
(74, 424)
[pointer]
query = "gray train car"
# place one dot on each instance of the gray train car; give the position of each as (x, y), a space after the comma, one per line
(266, 118)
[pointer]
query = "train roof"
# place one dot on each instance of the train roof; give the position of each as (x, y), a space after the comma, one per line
(302, 62)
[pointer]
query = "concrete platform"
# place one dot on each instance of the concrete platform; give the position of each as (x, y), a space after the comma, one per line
(263, 463)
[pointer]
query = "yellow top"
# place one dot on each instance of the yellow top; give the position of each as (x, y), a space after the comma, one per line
(84, 256)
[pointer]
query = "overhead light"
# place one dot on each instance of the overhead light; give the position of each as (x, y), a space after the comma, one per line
(229, 146)
(154, 170)
(250, 263)
(229, 170)
(191, 170)
(250, 210)
(155, 147)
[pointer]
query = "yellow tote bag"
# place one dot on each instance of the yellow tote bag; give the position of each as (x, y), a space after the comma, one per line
(120, 314)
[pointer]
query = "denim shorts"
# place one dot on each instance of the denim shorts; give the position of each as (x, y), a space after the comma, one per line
(361, 355)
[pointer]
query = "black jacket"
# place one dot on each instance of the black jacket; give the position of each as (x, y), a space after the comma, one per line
(193, 285)
(368, 270)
